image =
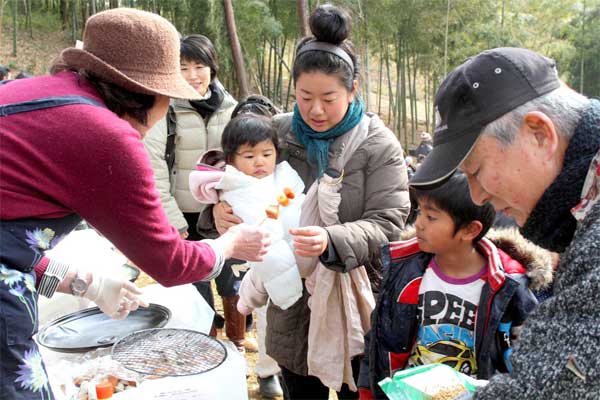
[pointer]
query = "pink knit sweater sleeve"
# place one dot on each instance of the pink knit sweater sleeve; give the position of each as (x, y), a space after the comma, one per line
(112, 188)
(203, 182)
(85, 160)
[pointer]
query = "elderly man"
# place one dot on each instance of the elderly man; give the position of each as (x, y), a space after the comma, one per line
(530, 146)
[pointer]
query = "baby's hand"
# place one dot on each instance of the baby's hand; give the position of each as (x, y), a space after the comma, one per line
(243, 309)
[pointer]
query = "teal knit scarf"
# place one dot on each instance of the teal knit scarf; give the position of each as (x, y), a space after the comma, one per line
(317, 143)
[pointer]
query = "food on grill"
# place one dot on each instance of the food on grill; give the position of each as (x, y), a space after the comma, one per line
(169, 352)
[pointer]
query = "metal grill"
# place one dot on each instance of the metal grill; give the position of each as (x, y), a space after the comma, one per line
(169, 352)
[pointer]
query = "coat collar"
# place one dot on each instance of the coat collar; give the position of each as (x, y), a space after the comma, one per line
(590, 194)
(496, 274)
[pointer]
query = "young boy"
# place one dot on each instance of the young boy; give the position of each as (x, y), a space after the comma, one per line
(448, 295)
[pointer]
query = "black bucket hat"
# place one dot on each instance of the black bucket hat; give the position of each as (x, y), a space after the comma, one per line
(479, 91)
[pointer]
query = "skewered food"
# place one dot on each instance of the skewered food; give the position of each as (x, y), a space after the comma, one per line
(272, 211)
(289, 193)
(283, 200)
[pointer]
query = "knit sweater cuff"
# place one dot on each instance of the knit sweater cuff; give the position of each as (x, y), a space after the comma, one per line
(40, 268)
(219, 259)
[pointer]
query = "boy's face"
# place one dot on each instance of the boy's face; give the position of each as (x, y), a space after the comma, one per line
(257, 161)
(435, 229)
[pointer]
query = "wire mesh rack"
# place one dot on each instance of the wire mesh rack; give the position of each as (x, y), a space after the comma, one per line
(169, 352)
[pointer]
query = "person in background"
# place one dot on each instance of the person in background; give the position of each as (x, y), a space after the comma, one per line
(190, 128)
(4, 72)
(530, 146)
(80, 155)
(336, 148)
(424, 147)
(256, 104)
(23, 74)
(451, 295)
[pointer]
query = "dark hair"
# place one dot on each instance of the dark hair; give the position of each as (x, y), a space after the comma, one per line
(199, 48)
(118, 100)
(4, 72)
(248, 129)
(454, 198)
(328, 24)
(255, 104)
(121, 101)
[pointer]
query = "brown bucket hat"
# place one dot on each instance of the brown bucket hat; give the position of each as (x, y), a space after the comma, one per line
(134, 49)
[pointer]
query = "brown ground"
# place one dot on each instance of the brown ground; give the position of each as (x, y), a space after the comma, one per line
(33, 55)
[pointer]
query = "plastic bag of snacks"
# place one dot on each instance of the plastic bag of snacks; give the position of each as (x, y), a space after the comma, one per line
(429, 382)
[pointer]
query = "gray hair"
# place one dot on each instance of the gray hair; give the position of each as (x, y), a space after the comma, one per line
(563, 106)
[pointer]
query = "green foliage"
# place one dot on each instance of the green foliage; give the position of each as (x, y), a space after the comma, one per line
(412, 32)
(255, 22)
(584, 33)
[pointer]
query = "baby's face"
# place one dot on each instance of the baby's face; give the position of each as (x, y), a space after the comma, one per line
(257, 161)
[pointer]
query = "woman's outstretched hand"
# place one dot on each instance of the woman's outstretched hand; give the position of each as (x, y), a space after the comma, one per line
(245, 242)
(310, 241)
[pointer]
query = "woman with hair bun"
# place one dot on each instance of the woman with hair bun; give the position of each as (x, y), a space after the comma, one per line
(357, 199)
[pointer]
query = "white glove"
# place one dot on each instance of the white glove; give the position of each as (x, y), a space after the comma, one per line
(115, 297)
(244, 242)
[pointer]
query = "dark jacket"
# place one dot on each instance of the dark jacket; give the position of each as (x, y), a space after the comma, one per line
(505, 299)
(373, 209)
(557, 356)
(424, 149)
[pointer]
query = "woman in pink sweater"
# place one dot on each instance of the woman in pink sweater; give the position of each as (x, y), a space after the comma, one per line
(71, 149)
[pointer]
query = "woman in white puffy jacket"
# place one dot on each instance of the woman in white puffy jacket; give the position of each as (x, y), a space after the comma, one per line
(251, 183)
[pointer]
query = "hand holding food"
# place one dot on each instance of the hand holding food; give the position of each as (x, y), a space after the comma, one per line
(310, 241)
(244, 242)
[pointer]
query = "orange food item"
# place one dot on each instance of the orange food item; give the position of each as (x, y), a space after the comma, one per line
(289, 193)
(283, 200)
(272, 212)
(113, 380)
(104, 390)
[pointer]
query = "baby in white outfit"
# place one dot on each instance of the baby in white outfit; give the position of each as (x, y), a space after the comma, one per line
(251, 183)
